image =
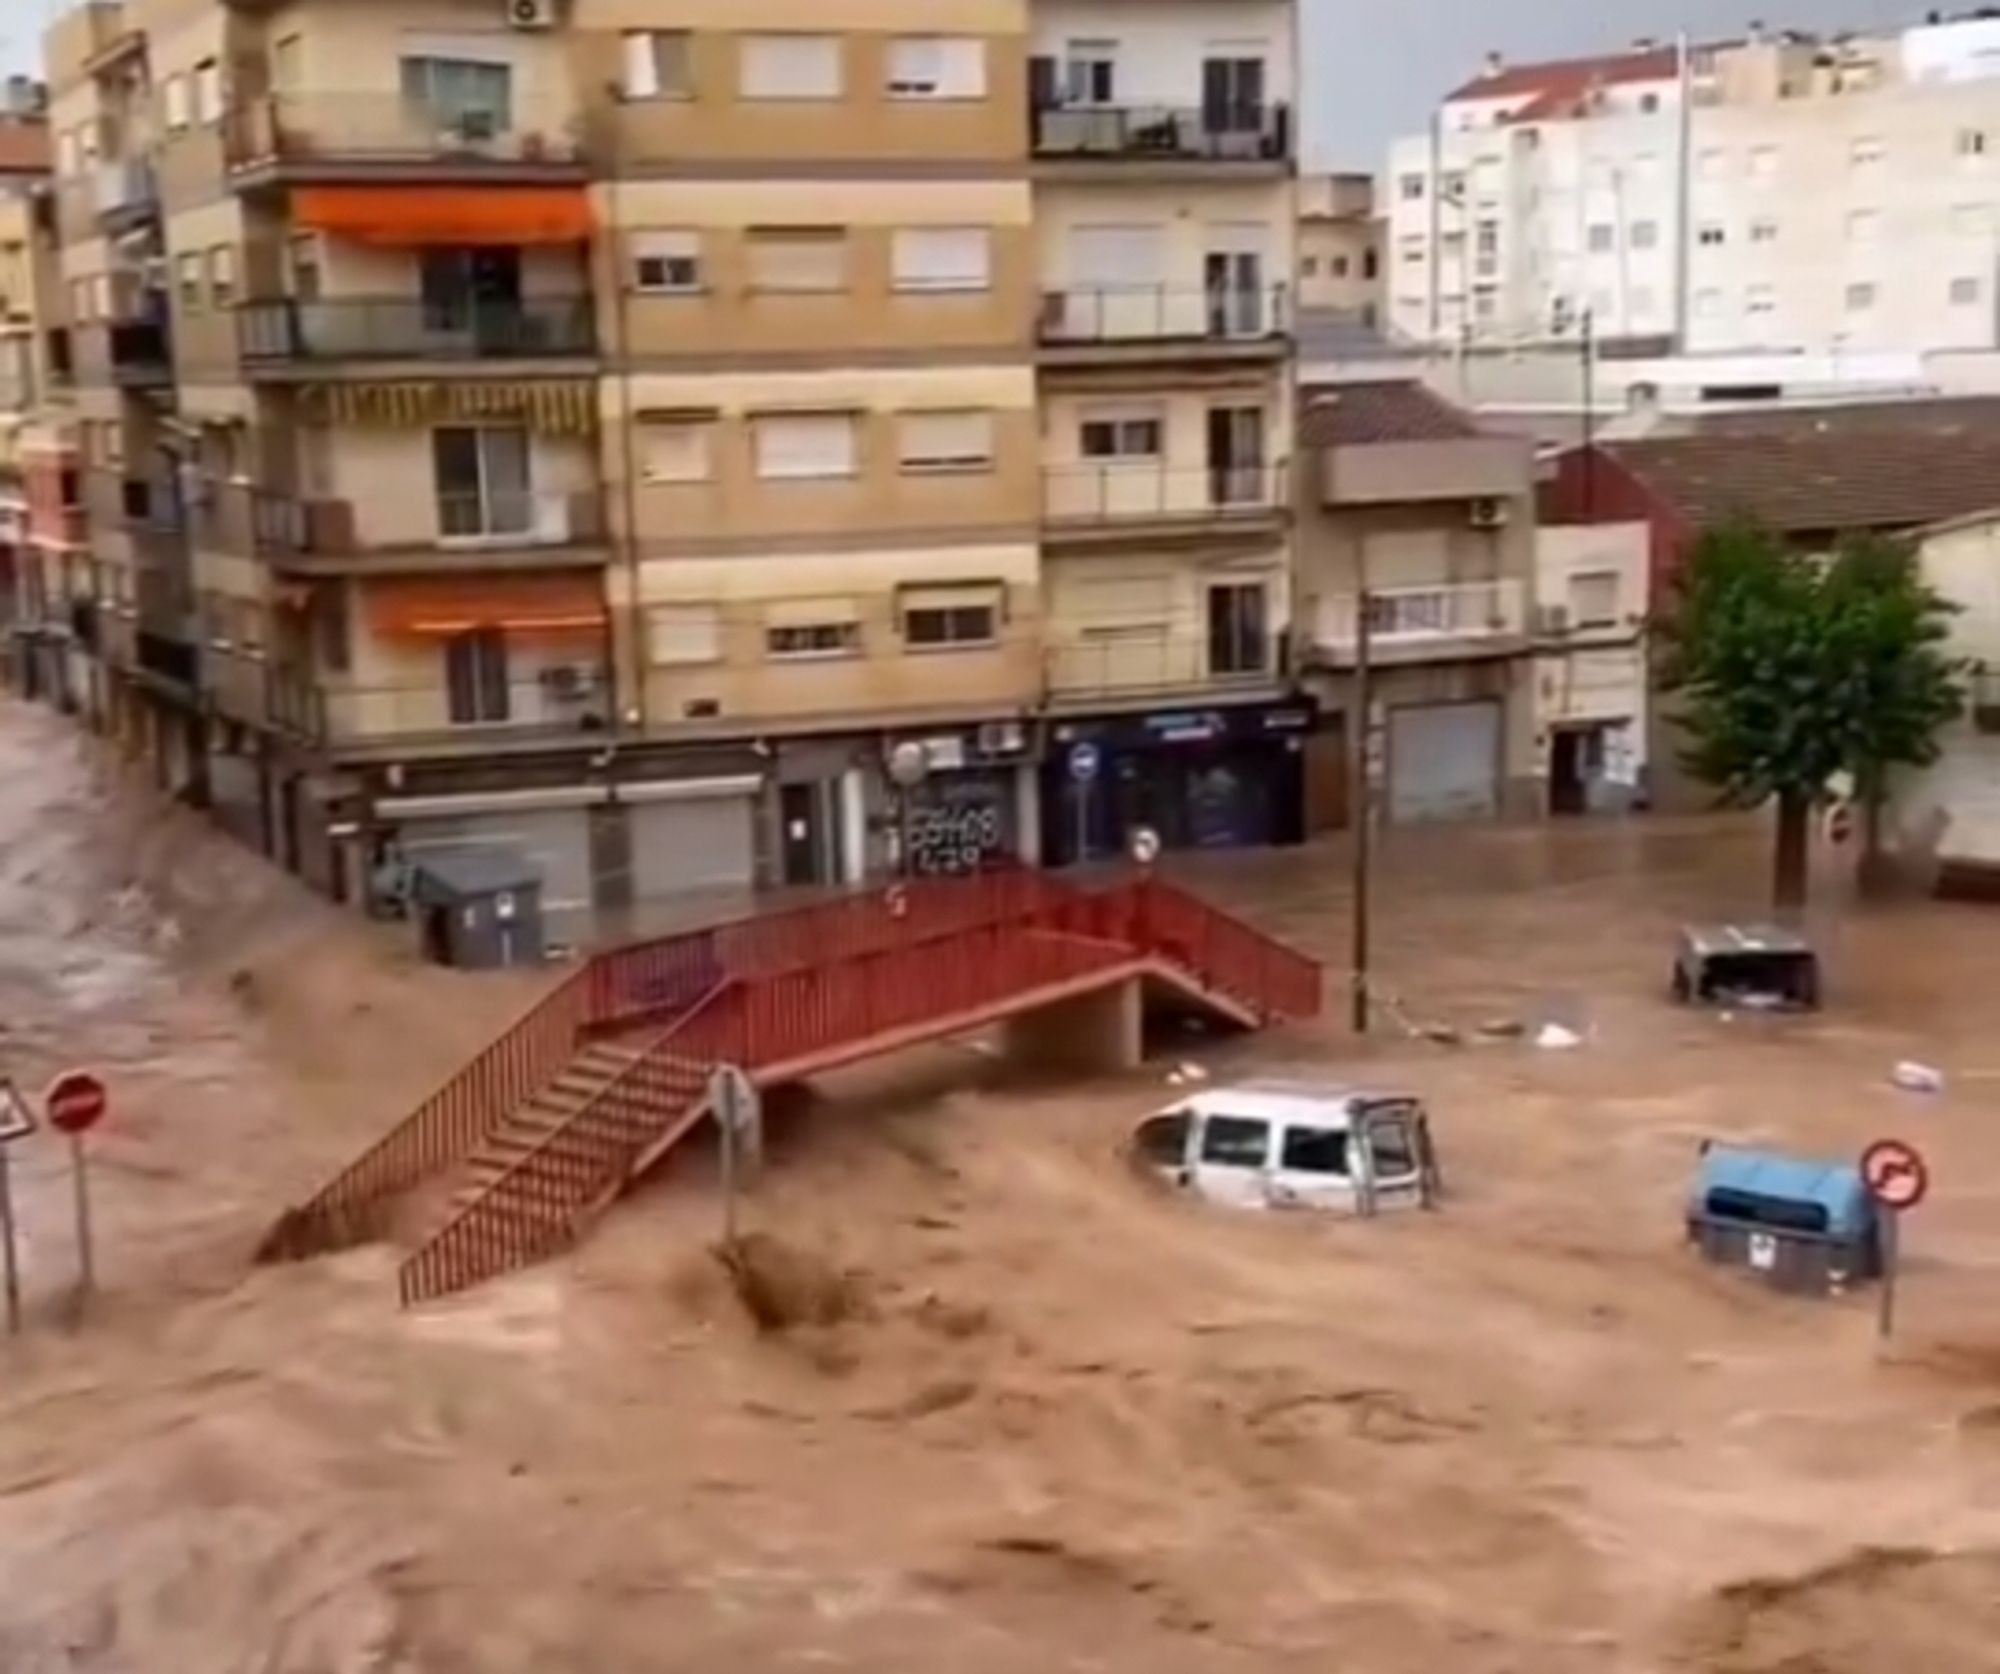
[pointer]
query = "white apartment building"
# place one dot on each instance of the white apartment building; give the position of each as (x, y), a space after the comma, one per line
(1835, 195)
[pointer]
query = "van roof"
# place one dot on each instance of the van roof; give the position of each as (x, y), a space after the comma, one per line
(1279, 1101)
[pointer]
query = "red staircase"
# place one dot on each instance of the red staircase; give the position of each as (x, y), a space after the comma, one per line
(536, 1135)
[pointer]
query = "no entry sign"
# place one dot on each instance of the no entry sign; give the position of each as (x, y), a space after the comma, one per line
(1895, 1174)
(75, 1102)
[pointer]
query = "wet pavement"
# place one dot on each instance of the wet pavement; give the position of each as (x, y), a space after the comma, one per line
(1056, 1420)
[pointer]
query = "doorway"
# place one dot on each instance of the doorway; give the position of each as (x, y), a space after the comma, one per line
(1232, 95)
(473, 290)
(1576, 759)
(810, 849)
(1233, 281)
(1235, 456)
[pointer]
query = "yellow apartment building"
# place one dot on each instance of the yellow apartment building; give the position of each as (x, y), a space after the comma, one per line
(619, 433)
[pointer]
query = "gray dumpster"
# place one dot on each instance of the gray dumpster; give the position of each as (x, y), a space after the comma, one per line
(479, 909)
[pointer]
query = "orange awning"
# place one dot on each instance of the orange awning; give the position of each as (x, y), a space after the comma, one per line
(406, 215)
(525, 605)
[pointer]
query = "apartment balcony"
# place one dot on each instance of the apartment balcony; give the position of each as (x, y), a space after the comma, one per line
(1122, 142)
(1425, 624)
(554, 704)
(128, 194)
(1498, 469)
(169, 658)
(330, 136)
(1091, 323)
(472, 533)
(1117, 662)
(1099, 504)
(284, 337)
(125, 354)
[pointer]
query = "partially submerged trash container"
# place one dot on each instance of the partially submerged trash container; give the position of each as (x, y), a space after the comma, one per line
(479, 909)
(1759, 967)
(1803, 1226)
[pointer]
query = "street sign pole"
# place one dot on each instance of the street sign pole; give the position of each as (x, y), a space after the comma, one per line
(75, 1103)
(7, 1237)
(728, 1126)
(732, 1097)
(1892, 1258)
(1898, 1179)
(86, 1262)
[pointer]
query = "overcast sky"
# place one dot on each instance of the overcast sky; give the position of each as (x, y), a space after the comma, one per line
(1373, 70)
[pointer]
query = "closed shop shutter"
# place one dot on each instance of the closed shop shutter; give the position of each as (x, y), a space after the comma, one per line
(1444, 762)
(697, 843)
(555, 841)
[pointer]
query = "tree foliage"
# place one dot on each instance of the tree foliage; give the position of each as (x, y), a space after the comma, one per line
(1792, 670)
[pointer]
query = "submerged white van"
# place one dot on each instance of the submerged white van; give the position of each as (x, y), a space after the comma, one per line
(1281, 1147)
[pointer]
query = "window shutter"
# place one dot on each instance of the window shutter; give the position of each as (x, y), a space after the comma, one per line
(946, 441)
(1042, 83)
(1119, 257)
(937, 67)
(667, 259)
(682, 634)
(805, 444)
(943, 259)
(676, 450)
(798, 259)
(790, 67)
(642, 76)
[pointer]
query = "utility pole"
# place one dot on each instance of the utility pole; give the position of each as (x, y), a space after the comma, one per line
(1589, 348)
(1360, 750)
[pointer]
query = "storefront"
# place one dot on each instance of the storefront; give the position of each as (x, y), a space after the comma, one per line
(1201, 779)
(966, 811)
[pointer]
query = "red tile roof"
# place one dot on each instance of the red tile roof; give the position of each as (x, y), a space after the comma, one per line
(1347, 415)
(24, 147)
(1562, 80)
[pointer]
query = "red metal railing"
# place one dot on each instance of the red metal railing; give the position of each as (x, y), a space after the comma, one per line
(356, 1206)
(766, 990)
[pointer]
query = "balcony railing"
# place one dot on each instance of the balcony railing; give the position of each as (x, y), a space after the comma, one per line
(1227, 133)
(560, 700)
(504, 518)
(387, 129)
(1417, 616)
(1108, 661)
(1142, 313)
(1147, 492)
(409, 328)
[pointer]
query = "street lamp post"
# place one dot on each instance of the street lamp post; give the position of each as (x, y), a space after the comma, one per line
(1360, 747)
(909, 766)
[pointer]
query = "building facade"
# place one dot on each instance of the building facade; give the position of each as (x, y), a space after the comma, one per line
(1837, 195)
(541, 427)
(1340, 248)
(1591, 664)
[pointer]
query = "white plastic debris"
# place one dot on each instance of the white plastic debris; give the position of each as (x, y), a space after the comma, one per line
(1914, 1077)
(1553, 1037)
(1193, 1073)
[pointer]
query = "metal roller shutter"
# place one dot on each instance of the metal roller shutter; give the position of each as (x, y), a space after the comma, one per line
(694, 844)
(556, 841)
(1444, 762)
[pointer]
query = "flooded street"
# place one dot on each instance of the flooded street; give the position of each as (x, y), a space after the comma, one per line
(1049, 1419)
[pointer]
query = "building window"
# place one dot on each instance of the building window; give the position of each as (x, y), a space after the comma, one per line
(187, 270)
(177, 103)
(1309, 267)
(1972, 142)
(1764, 163)
(1864, 226)
(1707, 305)
(1764, 231)
(798, 259)
(1371, 264)
(1486, 247)
(329, 622)
(464, 96)
(1964, 292)
(1643, 235)
(482, 477)
(1411, 250)
(804, 446)
(1090, 72)
(942, 258)
(1761, 299)
(1865, 155)
(1413, 188)
(303, 268)
(475, 673)
(287, 56)
(684, 635)
(667, 260)
(1860, 297)
(1602, 239)
(1712, 235)
(932, 443)
(936, 617)
(839, 637)
(222, 276)
(790, 67)
(1120, 438)
(1712, 165)
(937, 67)
(1339, 267)
(1649, 104)
(1593, 599)
(207, 92)
(677, 448)
(1238, 629)
(657, 64)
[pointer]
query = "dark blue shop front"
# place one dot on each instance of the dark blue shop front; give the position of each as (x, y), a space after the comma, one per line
(1201, 778)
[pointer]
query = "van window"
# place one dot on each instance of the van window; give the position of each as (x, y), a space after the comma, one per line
(1390, 1146)
(1235, 1141)
(1316, 1150)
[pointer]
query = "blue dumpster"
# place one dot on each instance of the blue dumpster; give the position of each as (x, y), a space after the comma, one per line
(1802, 1226)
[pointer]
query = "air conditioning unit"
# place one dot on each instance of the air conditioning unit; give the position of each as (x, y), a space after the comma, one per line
(1002, 738)
(1487, 514)
(569, 682)
(1552, 619)
(531, 14)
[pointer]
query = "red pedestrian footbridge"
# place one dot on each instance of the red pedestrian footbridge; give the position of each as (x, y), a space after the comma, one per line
(512, 1158)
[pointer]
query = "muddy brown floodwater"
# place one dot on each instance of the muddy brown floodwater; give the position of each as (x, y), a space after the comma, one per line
(1041, 1419)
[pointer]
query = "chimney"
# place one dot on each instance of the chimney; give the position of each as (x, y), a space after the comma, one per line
(1495, 63)
(1754, 34)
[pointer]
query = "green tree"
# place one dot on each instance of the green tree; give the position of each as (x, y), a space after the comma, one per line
(1791, 670)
